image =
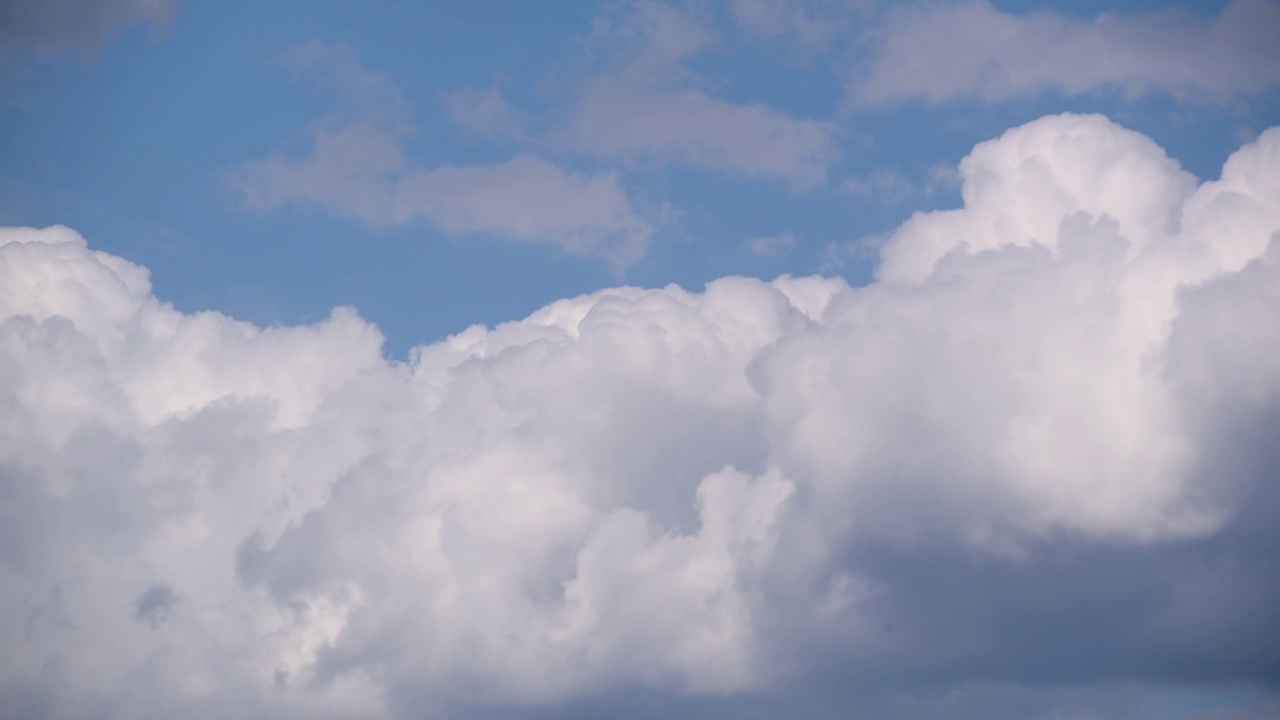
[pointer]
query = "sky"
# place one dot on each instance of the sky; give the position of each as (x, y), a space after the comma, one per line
(638, 359)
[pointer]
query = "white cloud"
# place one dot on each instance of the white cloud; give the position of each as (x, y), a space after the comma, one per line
(1054, 397)
(1020, 188)
(357, 167)
(947, 51)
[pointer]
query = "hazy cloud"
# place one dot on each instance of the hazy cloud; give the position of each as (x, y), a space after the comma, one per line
(881, 184)
(771, 245)
(357, 167)
(813, 24)
(44, 27)
(487, 112)
(643, 124)
(938, 52)
(644, 106)
(638, 102)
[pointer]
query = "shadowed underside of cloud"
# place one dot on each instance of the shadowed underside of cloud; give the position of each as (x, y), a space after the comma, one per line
(1031, 470)
(975, 50)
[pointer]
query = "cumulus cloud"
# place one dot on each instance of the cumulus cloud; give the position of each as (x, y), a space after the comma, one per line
(50, 26)
(938, 52)
(641, 104)
(356, 167)
(1036, 455)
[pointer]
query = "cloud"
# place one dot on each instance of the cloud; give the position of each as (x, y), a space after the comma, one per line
(1019, 188)
(356, 167)
(1027, 471)
(884, 184)
(815, 25)
(644, 124)
(941, 52)
(771, 245)
(487, 112)
(52, 26)
(643, 107)
(639, 103)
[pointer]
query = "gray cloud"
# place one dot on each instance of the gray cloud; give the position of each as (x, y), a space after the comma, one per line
(154, 604)
(939, 52)
(49, 26)
(638, 102)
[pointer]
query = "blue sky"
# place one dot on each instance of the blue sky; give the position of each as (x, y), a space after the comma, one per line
(650, 358)
(133, 141)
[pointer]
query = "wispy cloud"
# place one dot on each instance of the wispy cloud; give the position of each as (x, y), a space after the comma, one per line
(816, 25)
(642, 124)
(639, 103)
(940, 52)
(356, 167)
(771, 246)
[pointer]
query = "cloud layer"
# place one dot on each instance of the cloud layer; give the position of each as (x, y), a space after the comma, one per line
(1038, 451)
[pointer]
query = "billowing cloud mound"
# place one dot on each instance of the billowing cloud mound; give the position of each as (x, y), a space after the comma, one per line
(1040, 450)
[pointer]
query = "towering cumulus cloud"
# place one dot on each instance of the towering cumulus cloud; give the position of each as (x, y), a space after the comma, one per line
(1038, 451)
